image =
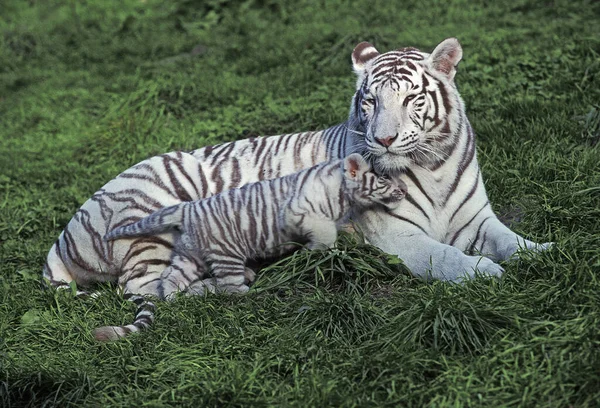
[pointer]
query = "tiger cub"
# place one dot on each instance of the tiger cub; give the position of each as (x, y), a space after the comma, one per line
(268, 218)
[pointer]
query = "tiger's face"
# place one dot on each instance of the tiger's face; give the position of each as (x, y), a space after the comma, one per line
(406, 106)
(367, 188)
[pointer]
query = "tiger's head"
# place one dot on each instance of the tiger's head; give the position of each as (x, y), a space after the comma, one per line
(366, 188)
(406, 106)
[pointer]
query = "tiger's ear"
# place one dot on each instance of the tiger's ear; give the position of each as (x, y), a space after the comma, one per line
(363, 53)
(446, 57)
(355, 166)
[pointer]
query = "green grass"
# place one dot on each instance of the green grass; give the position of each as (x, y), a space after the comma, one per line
(89, 88)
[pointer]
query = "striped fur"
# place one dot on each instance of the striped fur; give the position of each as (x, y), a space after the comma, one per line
(406, 117)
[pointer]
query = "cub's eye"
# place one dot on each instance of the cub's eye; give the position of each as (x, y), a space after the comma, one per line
(369, 101)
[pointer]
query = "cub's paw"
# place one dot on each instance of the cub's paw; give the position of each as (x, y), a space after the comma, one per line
(201, 287)
(249, 276)
(233, 289)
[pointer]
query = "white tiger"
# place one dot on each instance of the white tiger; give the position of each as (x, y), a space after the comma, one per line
(406, 117)
(260, 220)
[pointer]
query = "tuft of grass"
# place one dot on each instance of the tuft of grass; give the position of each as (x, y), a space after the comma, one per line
(88, 89)
(352, 267)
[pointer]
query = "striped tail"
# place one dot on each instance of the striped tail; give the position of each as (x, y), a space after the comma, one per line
(144, 316)
(160, 221)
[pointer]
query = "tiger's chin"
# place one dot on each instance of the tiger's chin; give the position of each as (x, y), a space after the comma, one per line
(391, 163)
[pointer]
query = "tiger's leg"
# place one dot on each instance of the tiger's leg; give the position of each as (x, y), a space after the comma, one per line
(431, 259)
(55, 270)
(497, 241)
(426, 257)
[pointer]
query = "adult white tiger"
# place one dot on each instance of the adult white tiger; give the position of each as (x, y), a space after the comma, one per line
(414, 122)
(406, 116)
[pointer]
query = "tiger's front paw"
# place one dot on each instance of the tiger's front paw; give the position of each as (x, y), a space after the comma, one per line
(529, 246)
(481, 265)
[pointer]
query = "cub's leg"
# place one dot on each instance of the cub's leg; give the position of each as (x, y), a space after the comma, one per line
(249, 275)
(229, 274)
(203, 286)
(321, 233)
(181, 275)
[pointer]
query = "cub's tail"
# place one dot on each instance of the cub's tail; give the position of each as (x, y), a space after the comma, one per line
(160, 221)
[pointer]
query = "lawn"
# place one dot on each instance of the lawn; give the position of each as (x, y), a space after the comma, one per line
(89, 88)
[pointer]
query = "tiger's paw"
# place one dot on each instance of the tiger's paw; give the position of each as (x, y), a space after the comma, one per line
(479, 265)
(530, 247)
(488, 267)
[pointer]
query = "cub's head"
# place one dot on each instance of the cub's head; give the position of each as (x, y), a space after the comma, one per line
(365, 188)
(406, 106)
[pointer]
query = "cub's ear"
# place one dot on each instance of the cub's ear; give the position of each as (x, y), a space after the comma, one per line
(363, 53)
(446, 57)
(355, 166)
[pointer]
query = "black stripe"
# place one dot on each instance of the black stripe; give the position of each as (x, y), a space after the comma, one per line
(407, 220)
(411, 200)
(417, 183)
(457, 233)
(472, 246)
(468, 197)
(469, 154)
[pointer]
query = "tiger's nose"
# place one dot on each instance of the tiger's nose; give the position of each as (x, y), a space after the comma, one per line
(386, 141)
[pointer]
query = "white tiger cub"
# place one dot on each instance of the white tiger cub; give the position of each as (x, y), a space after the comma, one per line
(264, 219)
(261, 220)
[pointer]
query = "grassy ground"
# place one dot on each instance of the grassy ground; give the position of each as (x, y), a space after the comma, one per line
(89, 88)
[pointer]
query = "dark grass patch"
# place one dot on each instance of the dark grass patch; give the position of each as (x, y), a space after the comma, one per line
(87, 90)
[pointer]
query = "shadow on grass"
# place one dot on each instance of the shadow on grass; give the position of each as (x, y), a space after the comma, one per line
(43, 389)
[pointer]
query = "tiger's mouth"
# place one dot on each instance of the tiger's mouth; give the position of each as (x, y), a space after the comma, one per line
(390, 162)
(400, 151)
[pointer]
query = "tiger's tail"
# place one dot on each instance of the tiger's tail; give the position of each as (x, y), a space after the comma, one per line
(144, 317)
(160, 221)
